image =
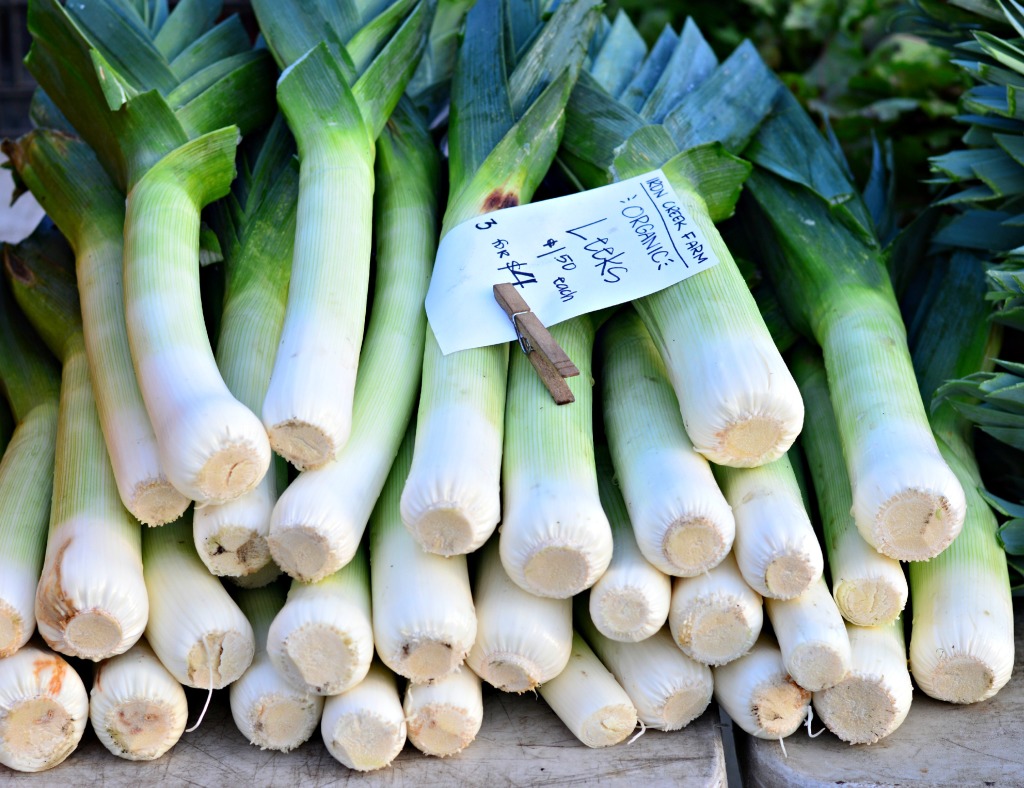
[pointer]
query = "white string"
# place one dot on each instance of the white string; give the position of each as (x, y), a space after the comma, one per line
(782, 744)
(643, 730)
(810, 718)
(209, 695)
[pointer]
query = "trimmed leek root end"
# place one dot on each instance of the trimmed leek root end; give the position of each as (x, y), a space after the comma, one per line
(156, 502)
(137, 709)
(234, 551)
(364, 728)
(44, 710)
(304, 445)
(443, 718)
(303, 553)
(748, 442)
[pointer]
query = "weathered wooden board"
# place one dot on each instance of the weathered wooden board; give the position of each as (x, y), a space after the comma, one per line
(521, 743)
(940, 744)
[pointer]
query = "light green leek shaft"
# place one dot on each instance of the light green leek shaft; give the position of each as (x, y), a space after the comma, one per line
(29, 380)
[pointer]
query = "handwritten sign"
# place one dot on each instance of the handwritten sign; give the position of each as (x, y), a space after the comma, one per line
(567, 256)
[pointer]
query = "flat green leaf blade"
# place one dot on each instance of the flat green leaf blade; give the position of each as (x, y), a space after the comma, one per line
(729, 106)
(692, 63)
(382, 84)
(517, 164)
(244, 96)
(716, 174)
(293, 27)
(126, 44)
(365, 45)
(561, 44)
(620, 57)
(789, 145)
(481, 109)
(596, 127)
(227, 39)
(640, 87)
(189, 20)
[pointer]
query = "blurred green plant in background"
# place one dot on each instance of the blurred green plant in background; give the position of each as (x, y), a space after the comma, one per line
(860, 62)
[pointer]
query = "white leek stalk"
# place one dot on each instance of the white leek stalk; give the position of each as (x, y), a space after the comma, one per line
(64, 174)
(631, 599)
(80, 611)
(336, 108)
(588, 699)
(758, 694)
(43, 709)
(322, 640)
(961, 637)
(812, 636)
(31, 383)
(231, 538)
(268, 711)
(874, 698)
(364, 727)
(137, 709)
(212, 447)
(424, 622)
(682, 522)
(738, 400)
(869, 588)
(776, 548)
(522, 640)
(907, 503)
(318, 522)
(194, 627)
(715, 617)
(444, 717)
(669, 689)
(555, 537)
(451, 501)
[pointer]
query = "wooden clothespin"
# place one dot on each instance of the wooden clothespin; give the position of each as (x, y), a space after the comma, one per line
(547, 357)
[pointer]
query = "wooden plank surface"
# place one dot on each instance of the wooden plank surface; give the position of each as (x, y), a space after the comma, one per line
(521, 743)
(939, 744)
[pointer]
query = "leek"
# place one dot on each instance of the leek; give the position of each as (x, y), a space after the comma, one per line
(194, 627)
(320, 519)
(522, 640)
(444, 717)
(64, 174)
(715, 617)
(255, 225)
(214, 448)
(322, 640)
(43, 709)
(422, 636)
(631, 599)
(874, 698)
(907, 503)
(266, 710)
(812, 636)
(738, 401)
(869, 588)
(682, 522)
(337, 91)
(137, 709)
(758, 694)
(776, 549)
(503, 133)
(961, 637)
(588, 699)
(364, 727)
(142, 100)
(29, 380)
(79, 611)
(669, 689)
(555, 537)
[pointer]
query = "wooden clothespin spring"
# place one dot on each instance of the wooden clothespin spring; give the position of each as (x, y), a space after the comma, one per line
(546, 355)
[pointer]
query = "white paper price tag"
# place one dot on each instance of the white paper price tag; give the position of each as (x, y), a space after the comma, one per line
(567, 256)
